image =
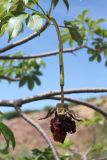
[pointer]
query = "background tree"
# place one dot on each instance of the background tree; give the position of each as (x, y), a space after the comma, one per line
(83, 32)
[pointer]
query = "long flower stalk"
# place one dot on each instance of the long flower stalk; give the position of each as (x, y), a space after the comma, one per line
(60, 58)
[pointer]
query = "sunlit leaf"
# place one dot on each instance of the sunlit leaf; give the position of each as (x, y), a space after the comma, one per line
(7, 6)
(82, 16)
(15, 25)
(34, 22)
(25, 1)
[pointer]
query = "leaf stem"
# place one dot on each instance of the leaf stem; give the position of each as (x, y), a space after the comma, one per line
(41, 8)
(50, 10)
(38, 6)
(38, 13)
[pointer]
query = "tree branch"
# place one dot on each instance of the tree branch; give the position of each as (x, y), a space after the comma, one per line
(9, 78)
(7, 103)
(40, 130)
(22, 101)
(29, 99)
(26, 39)
(55, 93)
(41, 55)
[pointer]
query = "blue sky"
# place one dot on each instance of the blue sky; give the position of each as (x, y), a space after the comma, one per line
(79, 72)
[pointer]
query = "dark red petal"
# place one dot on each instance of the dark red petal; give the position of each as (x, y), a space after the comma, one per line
(69, 126)
(60, 126)
(59, 137)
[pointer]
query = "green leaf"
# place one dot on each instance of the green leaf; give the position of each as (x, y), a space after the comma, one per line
(82, 16)
(105, 53)
(38, 82)
(30, 83)
(67, 144)
(8, 135)
(101, 32)
(7, 6)
(1, 114)
(55, 2)
(92, 58)
(15, 25)
(26, 1)
(17, 7)
(98, 147)
(30, 3)
(66, 3)
(34, 22)
(46, 154)
(84, 13)
(39, 73)
(4, 22)
(22, 81)
(66, 37)
(2, 29)
(101, 20)
(98, 58)
(74, 32)
(24, 70)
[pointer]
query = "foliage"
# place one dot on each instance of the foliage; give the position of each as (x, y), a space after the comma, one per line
(35, 154)
(25, 71)
(55, 3)
(85, 30)
(13, 114)
(12, 16)
(66, 145)
(97, 119)
(8, 135)
(98, 150)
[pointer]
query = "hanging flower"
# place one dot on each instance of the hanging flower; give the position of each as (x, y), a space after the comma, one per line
(63, 122)
(60, 126)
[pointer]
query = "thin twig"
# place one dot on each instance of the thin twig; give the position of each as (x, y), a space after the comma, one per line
(26, 39)
(76, 152)
(55, 93)
(40, 130)
(40, 55)
(85, 155)
(9, 78)
(80, 102)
